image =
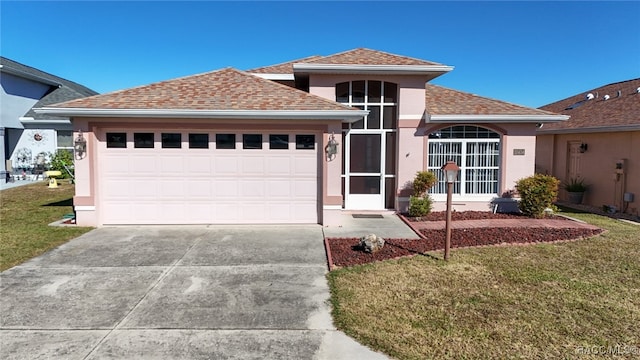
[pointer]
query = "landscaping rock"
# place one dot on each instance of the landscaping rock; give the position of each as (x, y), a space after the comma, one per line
(372, 243)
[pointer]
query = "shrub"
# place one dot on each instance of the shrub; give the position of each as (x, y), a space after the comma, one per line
(575, 185)
(537, 193)
(424, 181)
(420, 206)
(59, 160)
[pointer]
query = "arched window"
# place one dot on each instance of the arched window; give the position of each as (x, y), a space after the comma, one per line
(476, 150)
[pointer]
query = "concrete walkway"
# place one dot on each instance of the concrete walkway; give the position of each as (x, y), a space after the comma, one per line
(175, 293)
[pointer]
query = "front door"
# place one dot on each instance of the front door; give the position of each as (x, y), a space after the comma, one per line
(573, 160)
(364, 178)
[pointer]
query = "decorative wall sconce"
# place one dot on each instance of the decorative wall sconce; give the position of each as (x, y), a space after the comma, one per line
(583, 148)
(80, 146)
(332, 147)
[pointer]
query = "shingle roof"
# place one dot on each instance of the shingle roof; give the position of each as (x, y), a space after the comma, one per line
(445, 101)
(621, 109)
(364, 56)
(226, 89)
(283, 68)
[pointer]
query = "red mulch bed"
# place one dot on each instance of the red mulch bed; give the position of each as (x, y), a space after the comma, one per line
(346, 252)
(469, 215)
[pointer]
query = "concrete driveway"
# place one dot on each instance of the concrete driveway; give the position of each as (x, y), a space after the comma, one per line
(175, 292)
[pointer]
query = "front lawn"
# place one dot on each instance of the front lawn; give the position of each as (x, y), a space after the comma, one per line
(538, 301)
(25, 213)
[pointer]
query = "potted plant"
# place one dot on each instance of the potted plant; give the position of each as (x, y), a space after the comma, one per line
(576, 188)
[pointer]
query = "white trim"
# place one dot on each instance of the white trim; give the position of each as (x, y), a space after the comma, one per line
(495, 118)
(331, 207)
(84, 208)
(348, 115)
(370, 69)
(410, 117)
(30, 120)
(275, 76)
(616, 128)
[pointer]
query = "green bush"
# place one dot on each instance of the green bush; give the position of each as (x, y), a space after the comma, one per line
(59, 160)
(420, 206)
(424, 181)
(537, 193)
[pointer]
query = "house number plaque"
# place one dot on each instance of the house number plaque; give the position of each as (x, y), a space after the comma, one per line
(518, 151)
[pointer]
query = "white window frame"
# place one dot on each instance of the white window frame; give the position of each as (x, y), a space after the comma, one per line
(459, 190)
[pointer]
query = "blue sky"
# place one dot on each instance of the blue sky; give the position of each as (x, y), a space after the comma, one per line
(528, 53)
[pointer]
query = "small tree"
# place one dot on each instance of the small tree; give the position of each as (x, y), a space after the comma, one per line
(537, 193)
(420, 203)
(62, 161)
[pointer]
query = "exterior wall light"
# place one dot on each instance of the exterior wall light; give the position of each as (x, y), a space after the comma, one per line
(450, 170)
(583, 148)
(332, 147)
(80, 146)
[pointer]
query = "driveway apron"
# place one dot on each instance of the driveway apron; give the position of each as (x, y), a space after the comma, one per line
(223, 292)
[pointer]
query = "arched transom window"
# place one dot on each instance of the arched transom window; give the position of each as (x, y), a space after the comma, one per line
(476, 150)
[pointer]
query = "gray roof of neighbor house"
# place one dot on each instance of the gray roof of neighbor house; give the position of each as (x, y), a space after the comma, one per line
(612, 107)
(61, 89)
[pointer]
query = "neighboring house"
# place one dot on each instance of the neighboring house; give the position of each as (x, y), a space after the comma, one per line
(230, 146)
(24, 133)
(599, 144)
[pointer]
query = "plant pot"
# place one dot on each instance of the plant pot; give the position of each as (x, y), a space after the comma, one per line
(575, 197)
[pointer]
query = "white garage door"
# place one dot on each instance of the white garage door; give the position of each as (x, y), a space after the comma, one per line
(203, 177)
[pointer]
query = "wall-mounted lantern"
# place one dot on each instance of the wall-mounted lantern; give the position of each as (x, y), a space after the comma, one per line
(583, 148)
(332, 147)
(80, 146)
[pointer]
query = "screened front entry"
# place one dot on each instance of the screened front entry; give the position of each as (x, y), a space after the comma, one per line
(369, 168)
(476, 150)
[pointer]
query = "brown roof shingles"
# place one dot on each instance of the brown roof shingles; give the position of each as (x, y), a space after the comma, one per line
(226, 89)
(445, 101)
(620, 110)
(283, 68)
(362, 56)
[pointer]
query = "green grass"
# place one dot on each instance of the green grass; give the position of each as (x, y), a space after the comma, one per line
(530, 302)
(25, 213)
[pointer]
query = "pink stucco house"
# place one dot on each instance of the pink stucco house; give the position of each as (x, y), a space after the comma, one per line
(600, 144)
(232, 146)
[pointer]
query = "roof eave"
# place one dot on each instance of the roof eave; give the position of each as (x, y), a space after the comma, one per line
(371, 69)
(274, 76)
(598, 129)
(346, 115)
(496, 118)
(25, 75)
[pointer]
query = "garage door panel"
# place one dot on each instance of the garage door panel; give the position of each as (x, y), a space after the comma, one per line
(225, 165)
(200, 165)
(226, 189)
(199, 189)
(143, 165)
(279, 188)
(253, 165)
(143, 189)
(172, 189)
(206, 186)
(279, 166)
(305, 166)
(252, 188)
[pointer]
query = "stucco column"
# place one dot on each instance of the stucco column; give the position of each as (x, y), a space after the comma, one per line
(84, 199)
(332, 172)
